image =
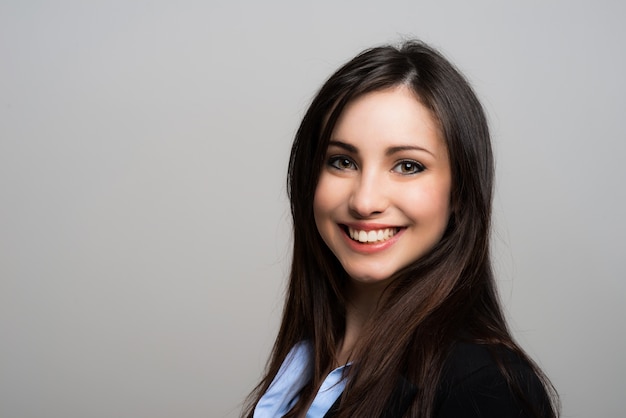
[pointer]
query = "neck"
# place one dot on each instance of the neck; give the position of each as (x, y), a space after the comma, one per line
(361, 302)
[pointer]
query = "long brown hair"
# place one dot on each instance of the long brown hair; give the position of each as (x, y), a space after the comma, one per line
(446, 295)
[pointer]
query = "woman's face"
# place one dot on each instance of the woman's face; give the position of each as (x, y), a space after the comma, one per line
(383, 197)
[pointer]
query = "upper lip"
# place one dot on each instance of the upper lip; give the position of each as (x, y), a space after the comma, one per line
(369, 226)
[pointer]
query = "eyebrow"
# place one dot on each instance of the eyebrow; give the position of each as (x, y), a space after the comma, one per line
(347, 147)
(400, 148)
(390, 151)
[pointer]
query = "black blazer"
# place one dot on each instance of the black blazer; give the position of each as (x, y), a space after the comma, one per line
(472, 386)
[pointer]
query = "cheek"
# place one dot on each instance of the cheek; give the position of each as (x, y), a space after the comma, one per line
(442, 210)
(324, 198)
(440, 199)
(328, 207)
(321, 203)
(318, 203)
(431, 204)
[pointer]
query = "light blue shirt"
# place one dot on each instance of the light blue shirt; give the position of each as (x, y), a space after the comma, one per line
(295, 372)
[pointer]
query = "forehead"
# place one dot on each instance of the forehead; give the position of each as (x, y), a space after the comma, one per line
(386, 116)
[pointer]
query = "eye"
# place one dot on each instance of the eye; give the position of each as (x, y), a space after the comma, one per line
(408, 167)
(341, 162)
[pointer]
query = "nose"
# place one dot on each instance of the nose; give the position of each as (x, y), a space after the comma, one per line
(369, 196)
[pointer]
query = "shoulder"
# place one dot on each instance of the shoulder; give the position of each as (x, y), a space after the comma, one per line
(473, 384)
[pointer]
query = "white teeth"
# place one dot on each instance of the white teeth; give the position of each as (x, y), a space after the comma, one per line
(373, 235)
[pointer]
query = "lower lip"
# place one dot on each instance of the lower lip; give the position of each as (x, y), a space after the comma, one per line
(367, 248)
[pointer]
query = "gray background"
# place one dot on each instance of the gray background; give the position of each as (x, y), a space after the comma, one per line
(144, 230)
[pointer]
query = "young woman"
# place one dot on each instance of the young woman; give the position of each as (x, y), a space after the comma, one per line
(391, 309)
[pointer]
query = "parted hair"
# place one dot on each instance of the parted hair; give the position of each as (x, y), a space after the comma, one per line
(445, 296)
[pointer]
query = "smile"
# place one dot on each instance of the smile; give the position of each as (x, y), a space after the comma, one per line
(372, 236)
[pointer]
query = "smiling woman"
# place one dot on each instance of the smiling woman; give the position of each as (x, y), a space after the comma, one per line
(383, 196)
(391, 309)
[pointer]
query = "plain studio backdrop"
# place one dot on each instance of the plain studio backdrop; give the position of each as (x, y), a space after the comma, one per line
(144, 226)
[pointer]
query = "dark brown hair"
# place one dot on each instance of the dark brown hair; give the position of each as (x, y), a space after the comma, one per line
(447, 295)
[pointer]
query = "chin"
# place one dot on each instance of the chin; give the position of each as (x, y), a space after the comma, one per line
(364, 277)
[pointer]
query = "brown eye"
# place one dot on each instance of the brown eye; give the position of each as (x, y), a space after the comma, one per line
(342, 163)
(408, 167)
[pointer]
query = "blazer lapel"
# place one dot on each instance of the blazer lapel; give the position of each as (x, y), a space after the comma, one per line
(401, 398)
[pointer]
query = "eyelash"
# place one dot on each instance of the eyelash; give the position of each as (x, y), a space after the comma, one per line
(335, 160)
(415, 167)
(347, 164)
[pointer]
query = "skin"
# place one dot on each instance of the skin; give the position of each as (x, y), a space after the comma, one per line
(387, 168)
